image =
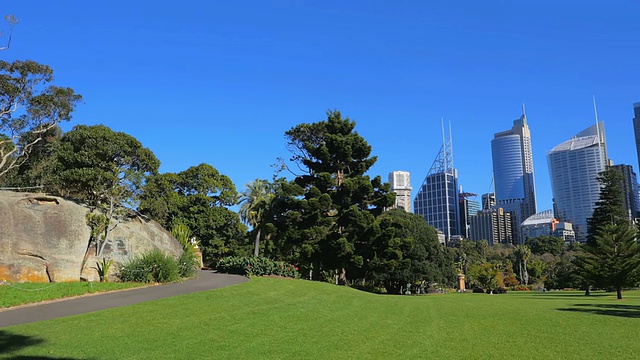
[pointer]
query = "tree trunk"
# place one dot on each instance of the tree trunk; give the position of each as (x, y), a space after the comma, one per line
(520, 273)
(315, 272)
(342, 277)
(619, 292)
(588, 291)
(256, 250)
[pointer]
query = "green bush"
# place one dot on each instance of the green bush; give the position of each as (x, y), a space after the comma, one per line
(154, 266)
(188, 264)
(256, 266)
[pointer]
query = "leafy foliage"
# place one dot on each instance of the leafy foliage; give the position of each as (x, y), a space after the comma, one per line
(153, 266)
(487, 276)
(522, 254)
(339, 202)
(256, 266)
(254, 202)
(612, 259)
(545, 244)
(609, 208)
(29, 107)
(104, 169)
(103, 269)
(198, 198)
(405, 249)
(188, 261)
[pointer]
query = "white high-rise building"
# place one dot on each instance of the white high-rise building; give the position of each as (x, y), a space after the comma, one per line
(574, 166)
(512, 157)
(401, 185)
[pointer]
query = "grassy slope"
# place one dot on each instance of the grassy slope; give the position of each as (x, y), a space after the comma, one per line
(293, 319)
(25, 293)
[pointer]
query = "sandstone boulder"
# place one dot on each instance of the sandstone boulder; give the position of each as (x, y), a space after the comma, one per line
(45, 238)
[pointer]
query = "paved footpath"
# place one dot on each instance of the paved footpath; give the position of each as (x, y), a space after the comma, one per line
(206, 280)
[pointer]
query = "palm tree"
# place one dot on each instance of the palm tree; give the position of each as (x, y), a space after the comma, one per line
(522, 253)
(254, 201)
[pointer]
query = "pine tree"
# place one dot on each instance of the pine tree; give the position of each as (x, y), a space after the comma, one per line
(340, 202)
(612, 259)
(609, 208)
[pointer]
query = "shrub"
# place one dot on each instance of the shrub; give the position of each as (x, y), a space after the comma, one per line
(256, 266)
(153, 266)
(478, 290)
(188, 264)
(521, 288)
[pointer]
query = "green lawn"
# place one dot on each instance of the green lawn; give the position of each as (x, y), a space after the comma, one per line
(25, 293)
(296, 319)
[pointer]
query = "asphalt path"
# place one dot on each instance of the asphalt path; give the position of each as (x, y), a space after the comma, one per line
(206, 280)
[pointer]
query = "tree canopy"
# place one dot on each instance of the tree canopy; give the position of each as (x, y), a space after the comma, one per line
(29, 107)
(198, 198)
(105, 169)
(340, 202)
(609, 208)
(612, 259)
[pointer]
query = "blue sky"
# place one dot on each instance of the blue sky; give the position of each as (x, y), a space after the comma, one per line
(220, 82)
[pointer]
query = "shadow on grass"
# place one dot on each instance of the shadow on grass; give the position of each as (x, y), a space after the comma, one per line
(549, 296)
(620, 310)
(11, 343)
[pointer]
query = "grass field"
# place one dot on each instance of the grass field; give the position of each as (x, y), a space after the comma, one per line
(268, 318)
(25, 293)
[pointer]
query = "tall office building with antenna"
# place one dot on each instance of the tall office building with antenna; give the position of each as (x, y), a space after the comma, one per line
(574, 166)
(437, 199)
(512, 157)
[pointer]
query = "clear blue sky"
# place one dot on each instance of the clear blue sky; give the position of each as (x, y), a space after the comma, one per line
(220, 82)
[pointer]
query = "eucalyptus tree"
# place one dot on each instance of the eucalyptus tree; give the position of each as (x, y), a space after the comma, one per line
(30, 106)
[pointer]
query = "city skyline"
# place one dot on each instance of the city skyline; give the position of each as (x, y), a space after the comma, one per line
(221, 83)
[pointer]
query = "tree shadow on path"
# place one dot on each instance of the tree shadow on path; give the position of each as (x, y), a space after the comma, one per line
(12, 343)
(620, 310)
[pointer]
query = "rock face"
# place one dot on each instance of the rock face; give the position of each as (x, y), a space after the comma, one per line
(45, 238)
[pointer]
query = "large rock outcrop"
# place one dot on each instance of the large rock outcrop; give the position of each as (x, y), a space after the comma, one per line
(45, 238)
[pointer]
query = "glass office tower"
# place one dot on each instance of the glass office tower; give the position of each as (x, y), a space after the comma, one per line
(437, 199)
(513, 171)
(574, 166)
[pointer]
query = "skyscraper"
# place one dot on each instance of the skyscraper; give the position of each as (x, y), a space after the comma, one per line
(629, 190)
(401, 185)
(574, 166)
(437, 200)
(468, 208)
(513, 170)
(494, 225)
(488, 201)
(636, 128)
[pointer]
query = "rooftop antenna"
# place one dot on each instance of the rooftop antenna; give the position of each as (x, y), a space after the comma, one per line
(595, 111)
(442, 126)
(451, 144)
